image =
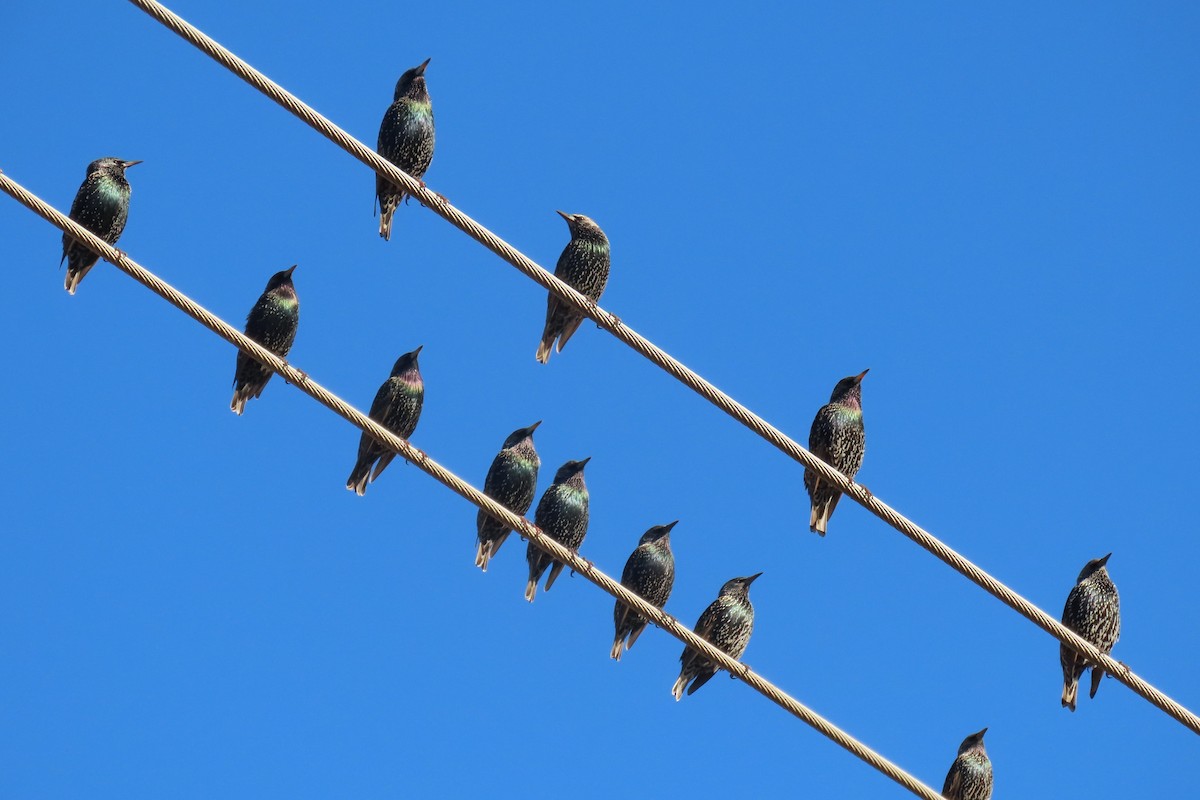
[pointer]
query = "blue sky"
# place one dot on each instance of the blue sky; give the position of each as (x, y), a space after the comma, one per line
(994, 208)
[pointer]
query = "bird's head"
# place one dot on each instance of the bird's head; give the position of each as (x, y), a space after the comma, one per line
(659, 533)
(570, 470)
(520, 435)
(739, 587)
(281, 278)
(406, 362)
(412, 83)
(972, 742)
(849, 390)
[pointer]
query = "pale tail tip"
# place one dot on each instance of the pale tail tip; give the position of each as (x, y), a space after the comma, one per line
(615, 653)
(530, 590)
(1068, 696)
(677, 689)
(543, 353)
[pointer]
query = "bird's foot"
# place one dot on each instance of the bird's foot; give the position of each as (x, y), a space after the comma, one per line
(865, 489)
(303, 377)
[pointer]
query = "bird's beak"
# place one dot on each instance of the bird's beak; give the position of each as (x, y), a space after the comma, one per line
(565, 215)
(583, 463)
(423, 65)
(417, 352)
(858, 378)
(534, 426)
(287, 271)
(981, 733)
(1104, 560)
(128, 164)
(671, 525)
(752, 579)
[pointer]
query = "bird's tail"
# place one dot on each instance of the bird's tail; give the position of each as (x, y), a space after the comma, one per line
(488, 549)
(680, 684)
(543, 351)
(1070, 689)
(74, 276)
(615, 653)
(240, 395)
(531, 587)
(360, 476)
(483, 554)
(388, 203)
(554, 570)
(818, 519)
(1097, 676)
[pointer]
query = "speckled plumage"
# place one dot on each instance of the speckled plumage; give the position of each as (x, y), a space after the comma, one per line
(102, 206)
(649, 573)
(584, 266)
(397, 407)
(1093, 611)
(562, 514)
(406, 137)
(727, 623)
(272, 323)
(511, 481)
(970, 776)
(837, 438)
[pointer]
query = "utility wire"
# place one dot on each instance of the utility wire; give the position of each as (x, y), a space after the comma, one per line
(675, 368)
(572, 559)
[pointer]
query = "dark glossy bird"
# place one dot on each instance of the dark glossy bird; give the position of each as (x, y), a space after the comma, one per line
(650, 574)
(837, 438)
(272, 323)
(397, 407)
(970, 776)
(727, 623)
(1093, 611)
(562, 514)
(583, 265)
(511, 482)
(405, 139)
(102, 206)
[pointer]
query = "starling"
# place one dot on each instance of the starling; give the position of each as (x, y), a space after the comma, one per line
(562, 514)
(1093, 611)
(405, 139)
(101, 205)
(583, 265)
(511, 481)
(650, 574)
(970, 776)
(397, 407)
(727, 623)
(272, 323)
(837, 438)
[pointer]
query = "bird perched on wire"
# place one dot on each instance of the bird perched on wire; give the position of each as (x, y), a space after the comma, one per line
(397, 407)
(562, 514)
(650, 574)
(837, 438)
(727, 623)
(583, 265)
(102, 206)
(970, 776)
(511, 482)
(1093, 611)
(272, 323)
(405, 139)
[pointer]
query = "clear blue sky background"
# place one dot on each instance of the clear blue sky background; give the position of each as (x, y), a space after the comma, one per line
(994, 208)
